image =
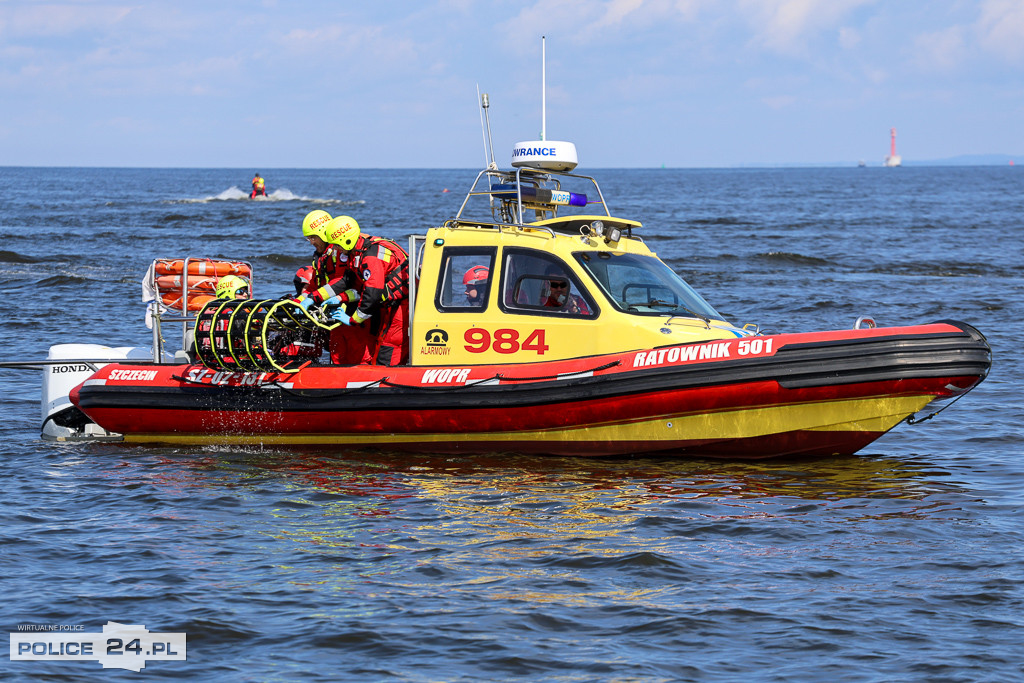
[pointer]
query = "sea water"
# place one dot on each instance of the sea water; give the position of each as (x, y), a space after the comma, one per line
(904, 562)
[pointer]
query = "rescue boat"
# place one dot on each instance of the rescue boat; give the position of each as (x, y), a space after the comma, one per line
(578, 340)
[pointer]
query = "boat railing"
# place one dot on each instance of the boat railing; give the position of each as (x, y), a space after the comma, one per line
(417, 243)
(508, 198)
(181, 285)
(456, 224)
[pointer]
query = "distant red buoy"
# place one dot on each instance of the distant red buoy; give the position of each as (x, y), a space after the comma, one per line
(444, 190)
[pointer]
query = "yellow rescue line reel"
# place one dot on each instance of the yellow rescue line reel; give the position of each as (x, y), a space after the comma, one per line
(250, 335)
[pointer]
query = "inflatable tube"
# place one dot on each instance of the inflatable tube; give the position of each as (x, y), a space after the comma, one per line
(207, 267)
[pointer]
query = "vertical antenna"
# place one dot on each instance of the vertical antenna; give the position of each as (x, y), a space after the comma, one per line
(483, 130)
(543, 91)
(485, 104)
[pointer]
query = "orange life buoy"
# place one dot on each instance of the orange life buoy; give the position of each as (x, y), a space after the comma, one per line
(207, 267)
(200, 282)
(195, 301)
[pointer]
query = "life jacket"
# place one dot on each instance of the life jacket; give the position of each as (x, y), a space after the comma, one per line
(395, 285)
(331, 274)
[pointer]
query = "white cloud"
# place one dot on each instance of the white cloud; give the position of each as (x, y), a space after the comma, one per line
(616, 11)
(942, 50)
(785, 26)
(322, 39)
(356, 50)
(849, 37)
(778, 101)
(56, 19)
(586, 22)
(1001, 28)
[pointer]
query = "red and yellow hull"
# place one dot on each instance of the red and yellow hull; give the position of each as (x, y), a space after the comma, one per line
(803, 394)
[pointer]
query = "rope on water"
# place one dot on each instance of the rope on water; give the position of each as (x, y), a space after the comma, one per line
(913, 420)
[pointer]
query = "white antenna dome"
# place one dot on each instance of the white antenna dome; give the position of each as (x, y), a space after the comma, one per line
(548, 155)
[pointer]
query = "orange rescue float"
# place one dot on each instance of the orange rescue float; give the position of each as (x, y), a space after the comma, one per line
(208, 267)
(189, 284)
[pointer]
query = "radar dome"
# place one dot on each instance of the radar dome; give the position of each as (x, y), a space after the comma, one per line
(547, 155)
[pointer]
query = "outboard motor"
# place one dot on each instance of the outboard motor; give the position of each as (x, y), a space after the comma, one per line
(61, 420)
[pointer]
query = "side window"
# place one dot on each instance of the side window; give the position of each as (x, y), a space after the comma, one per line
(539, 284)
(464, 282)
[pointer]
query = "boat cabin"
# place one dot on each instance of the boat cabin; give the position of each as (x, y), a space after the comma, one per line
(535, 267)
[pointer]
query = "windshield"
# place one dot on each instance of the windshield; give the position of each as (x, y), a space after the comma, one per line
(644, 285)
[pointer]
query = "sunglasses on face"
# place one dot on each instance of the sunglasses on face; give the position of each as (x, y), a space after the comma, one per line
(559, 285)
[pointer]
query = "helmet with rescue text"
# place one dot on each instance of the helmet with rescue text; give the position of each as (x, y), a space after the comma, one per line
(342, 231)
(232, 287)
(314, 223)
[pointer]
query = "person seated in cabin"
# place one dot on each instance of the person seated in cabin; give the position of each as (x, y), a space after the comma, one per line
(232, 287)
(259, 188)
(555, 294)
(475, 281)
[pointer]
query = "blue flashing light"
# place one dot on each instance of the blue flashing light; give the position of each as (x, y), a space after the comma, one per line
(556, 197)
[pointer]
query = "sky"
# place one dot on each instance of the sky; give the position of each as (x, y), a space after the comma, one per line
(393, 84)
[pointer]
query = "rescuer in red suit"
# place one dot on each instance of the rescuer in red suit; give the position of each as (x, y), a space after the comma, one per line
(379, 271)
(328, 282)
(259, 188)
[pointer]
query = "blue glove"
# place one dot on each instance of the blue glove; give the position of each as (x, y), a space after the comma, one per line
(306, 303)
(336, 299)
(341, 316)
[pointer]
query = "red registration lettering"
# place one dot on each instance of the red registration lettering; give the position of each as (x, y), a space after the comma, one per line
(504, 341)
(535, 342)
(477, 340)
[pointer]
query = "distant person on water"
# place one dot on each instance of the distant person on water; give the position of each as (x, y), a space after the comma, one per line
(259, 189)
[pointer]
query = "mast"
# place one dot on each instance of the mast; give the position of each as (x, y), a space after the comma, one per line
(543, 90)
(485, 125)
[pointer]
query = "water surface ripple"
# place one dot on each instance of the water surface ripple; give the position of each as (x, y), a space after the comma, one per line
(902, 563)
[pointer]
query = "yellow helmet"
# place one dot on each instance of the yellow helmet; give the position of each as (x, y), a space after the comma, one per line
(314, 223)
(343, 231)
(233, 287)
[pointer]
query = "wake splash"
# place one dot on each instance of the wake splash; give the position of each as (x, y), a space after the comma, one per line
(233, 193)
